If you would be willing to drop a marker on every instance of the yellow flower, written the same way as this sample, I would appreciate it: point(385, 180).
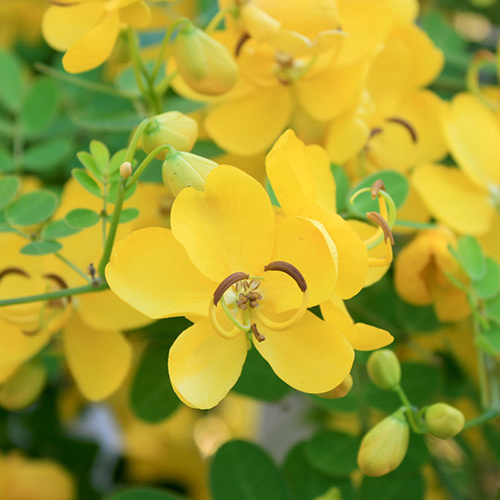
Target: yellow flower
point(20, 19)
point(465, 199)
point(420, 275)
point(219, 267)
point(87, 29)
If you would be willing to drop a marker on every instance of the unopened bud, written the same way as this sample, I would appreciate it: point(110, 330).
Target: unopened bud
point(444, 421)
point(340, 391)
point(22, 388)
point(204, 64)
point(173, 128)
point(384, 447)
point(181, 169)
point(384, 369)
point(126, 169)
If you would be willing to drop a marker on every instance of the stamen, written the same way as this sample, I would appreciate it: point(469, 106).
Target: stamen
point(406, 125)
point(31, 333)
point(257, 334)
point(239, 45)
point(13, 270)
point(376, 217)
point(292, 271)
point(376, 187)
point(212, 313)
point(227, 284)
point(59, 281)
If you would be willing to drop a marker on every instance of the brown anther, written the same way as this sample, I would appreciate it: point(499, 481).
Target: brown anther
point(376, 187)
point(253, 304)
point(58, 281)
point(406, 125)
point(378, 219)
point(254, 296)
point(375, 131)
point(257, 334)
point(253, 285)
point(292, 271)
point(13, 270)
point(239, 45)
point(31, 333)
point(227, 284)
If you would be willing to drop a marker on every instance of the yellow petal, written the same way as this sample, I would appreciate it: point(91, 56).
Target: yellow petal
point(300, 175)
point(332, 92)
point(352, 253)
point(312, 356)
point(228, 228)
point(362, 337)
point(475, 148)
point(105, 311)
point(296, 240)
point(99, 360)
point(250, 124)
point(151, 271)
point(93, 48)
point(453, 198)
point(64, 26)
point(137, 14)
point(203, 366)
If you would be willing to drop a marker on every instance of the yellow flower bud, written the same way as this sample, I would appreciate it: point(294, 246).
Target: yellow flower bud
point(340, 391)
point(22, 388)
point(384, 369)
point(181, 169)
point(203, 63)
point(384, 447)
point(172, 128)
point(126, 169)
point(444, 421)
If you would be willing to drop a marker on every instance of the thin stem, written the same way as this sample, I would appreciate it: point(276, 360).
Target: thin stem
point(482, 419)
point(410, 412)
point(219, 17)
point(67, 292)
point(129, 156)
point(163, 86)
point(75, 268)
point(17, 145)
point(140, 169)
point(415, 225)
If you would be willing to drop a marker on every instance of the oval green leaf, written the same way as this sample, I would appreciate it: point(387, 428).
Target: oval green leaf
point(31, 208)
point(11, 81)
point(244, 471)
point(39, 106)
point(100, 154)
point(8, 189)
point(81, 218)
point(128, 214)
point(88, 162)
point(489, 286)
point(41, 248)
point(471, 257)
point(47, 155)
point(58, 229)
point(87, 182)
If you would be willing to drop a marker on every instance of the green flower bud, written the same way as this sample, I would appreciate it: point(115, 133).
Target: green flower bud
point(384, 447)
point(203, 63)
point(181, 169)
point(172, 128)
point(444, 421)
point(384, 369)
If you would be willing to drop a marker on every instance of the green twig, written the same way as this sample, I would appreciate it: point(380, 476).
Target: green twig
point(72, 266)
point(151, 156)
point(416, 426)
point(482, 419)
point(129, 156)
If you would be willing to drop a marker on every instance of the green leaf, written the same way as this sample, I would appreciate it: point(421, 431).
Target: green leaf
point(493, 308)
point(6, 127)
point(333, 453)
point(393, 487)
point(58, 229)
point(11, 81)
point(87, 182)
point(258, 380)
point(5, 228)
point(489, 285)
point(142, 494)
point(6, 160)
point(128, 214)
point(87, 160)
point(8, 189)
point(116, 160)
point(113, 192)
point(341, 185)
point(489, 340)
point(470, 256)
point(48, 154)
point(39, 106)
point(81, 218)
point(152, 397)
point(31, 208)
point(243, 471)
point(100, 154)
point(396, 185)
point(41, 248)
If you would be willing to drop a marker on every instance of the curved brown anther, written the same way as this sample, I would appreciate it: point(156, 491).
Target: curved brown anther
point(257, 334)
point(31, 333)
point(60, 282)
point(13, 270)
point(378, 219)
point(239, 45)
point(292, 271)
point(376, 187)
point(375, 131)
point(227, 284)
point(406, 125)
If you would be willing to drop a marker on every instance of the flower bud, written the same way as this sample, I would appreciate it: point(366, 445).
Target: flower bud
point(126, 169)
point(384, 447)
point(204, 64)
point(22, 388)
point(181, 169)
point(384, 369)
point(172, 128)
point(340, 391)
point(444, 421)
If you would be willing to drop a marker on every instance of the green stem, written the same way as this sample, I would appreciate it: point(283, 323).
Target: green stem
point(416, 426)
point(67, 292)
point(163, 86)
point(217, 19)
point(129, 156)
point(482, 419)
point(75, 268)
point(140, 169)
point(415, 225)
